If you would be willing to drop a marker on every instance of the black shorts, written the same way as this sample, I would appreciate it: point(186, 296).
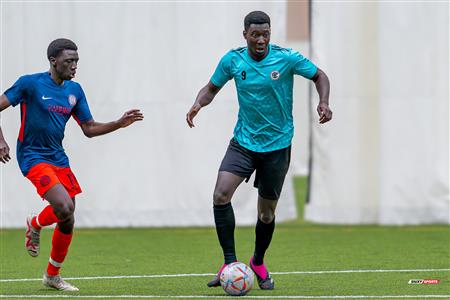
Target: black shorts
point(271, 167)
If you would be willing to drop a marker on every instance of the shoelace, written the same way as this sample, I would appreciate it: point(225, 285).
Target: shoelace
point(34, 236)
point(59, 281)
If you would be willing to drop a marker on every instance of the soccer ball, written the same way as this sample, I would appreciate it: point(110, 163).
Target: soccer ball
point(237, 279)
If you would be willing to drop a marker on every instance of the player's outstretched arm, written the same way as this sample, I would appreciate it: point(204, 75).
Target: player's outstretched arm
point(4, 148)
point(323, 88)
point(93, 128)
point(204, 97)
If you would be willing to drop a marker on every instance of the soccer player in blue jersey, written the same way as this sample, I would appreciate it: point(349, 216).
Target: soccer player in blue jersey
point(263, 74)
point(47, 101)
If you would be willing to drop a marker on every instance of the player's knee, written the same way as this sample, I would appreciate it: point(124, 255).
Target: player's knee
point(221, 198)
point(64, 211)
point(267, 217)
point(67, 225)
point(70, 221)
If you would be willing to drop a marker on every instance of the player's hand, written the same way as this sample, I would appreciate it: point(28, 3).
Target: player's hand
point(192, 113)
point(130, 117)
point(325, 113)
point(4, 152)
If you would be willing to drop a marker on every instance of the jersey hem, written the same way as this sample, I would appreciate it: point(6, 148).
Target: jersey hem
point(262, 150)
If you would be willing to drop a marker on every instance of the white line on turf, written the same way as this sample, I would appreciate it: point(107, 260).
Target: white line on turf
point(212, 274)
point(226, 297)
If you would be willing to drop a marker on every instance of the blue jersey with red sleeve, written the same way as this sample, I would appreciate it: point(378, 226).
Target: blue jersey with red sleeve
point(45, 108)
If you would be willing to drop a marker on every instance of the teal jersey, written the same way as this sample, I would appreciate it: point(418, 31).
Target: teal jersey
point(264, 91)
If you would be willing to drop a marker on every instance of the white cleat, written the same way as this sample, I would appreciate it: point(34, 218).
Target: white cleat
point(56, 282)
point(32, 238)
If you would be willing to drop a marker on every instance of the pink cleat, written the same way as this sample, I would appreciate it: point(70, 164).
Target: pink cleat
point(265, 281)
point(216, 281)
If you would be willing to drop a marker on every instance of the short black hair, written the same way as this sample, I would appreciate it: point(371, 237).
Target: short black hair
point(59, 45)
point(256, 17)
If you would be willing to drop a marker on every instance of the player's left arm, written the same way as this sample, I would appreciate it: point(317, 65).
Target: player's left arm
point(322, 83)
point(92, 128)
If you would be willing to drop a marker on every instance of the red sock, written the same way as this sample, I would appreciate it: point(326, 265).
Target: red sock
point(46, 217)
point(60, 246)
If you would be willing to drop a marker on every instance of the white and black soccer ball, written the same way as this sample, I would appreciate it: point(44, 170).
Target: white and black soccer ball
point(237, 279)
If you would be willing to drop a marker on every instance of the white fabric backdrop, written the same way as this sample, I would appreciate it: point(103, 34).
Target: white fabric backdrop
point(385, 157)
point(153, 56)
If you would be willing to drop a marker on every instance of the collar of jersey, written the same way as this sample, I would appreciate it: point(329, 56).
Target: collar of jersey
point(50, 79)
point(269, 50)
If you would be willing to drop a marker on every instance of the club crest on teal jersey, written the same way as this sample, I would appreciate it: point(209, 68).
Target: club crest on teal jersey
point(275, 75)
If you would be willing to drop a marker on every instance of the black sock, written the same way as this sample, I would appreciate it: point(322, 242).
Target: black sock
point(224, 219)
point(263, 234)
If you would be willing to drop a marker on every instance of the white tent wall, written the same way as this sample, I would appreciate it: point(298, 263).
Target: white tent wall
point(414, 157)
point(384, 159)
point(300, 143)
point(154, 56)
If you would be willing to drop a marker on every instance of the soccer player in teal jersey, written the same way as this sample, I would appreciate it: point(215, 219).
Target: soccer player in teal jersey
point(263, 74)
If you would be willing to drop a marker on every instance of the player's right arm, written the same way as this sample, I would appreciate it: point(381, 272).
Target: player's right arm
point(4, 148)
point(205, 96)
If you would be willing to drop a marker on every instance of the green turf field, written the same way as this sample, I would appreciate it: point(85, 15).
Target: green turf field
point(307, 262)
